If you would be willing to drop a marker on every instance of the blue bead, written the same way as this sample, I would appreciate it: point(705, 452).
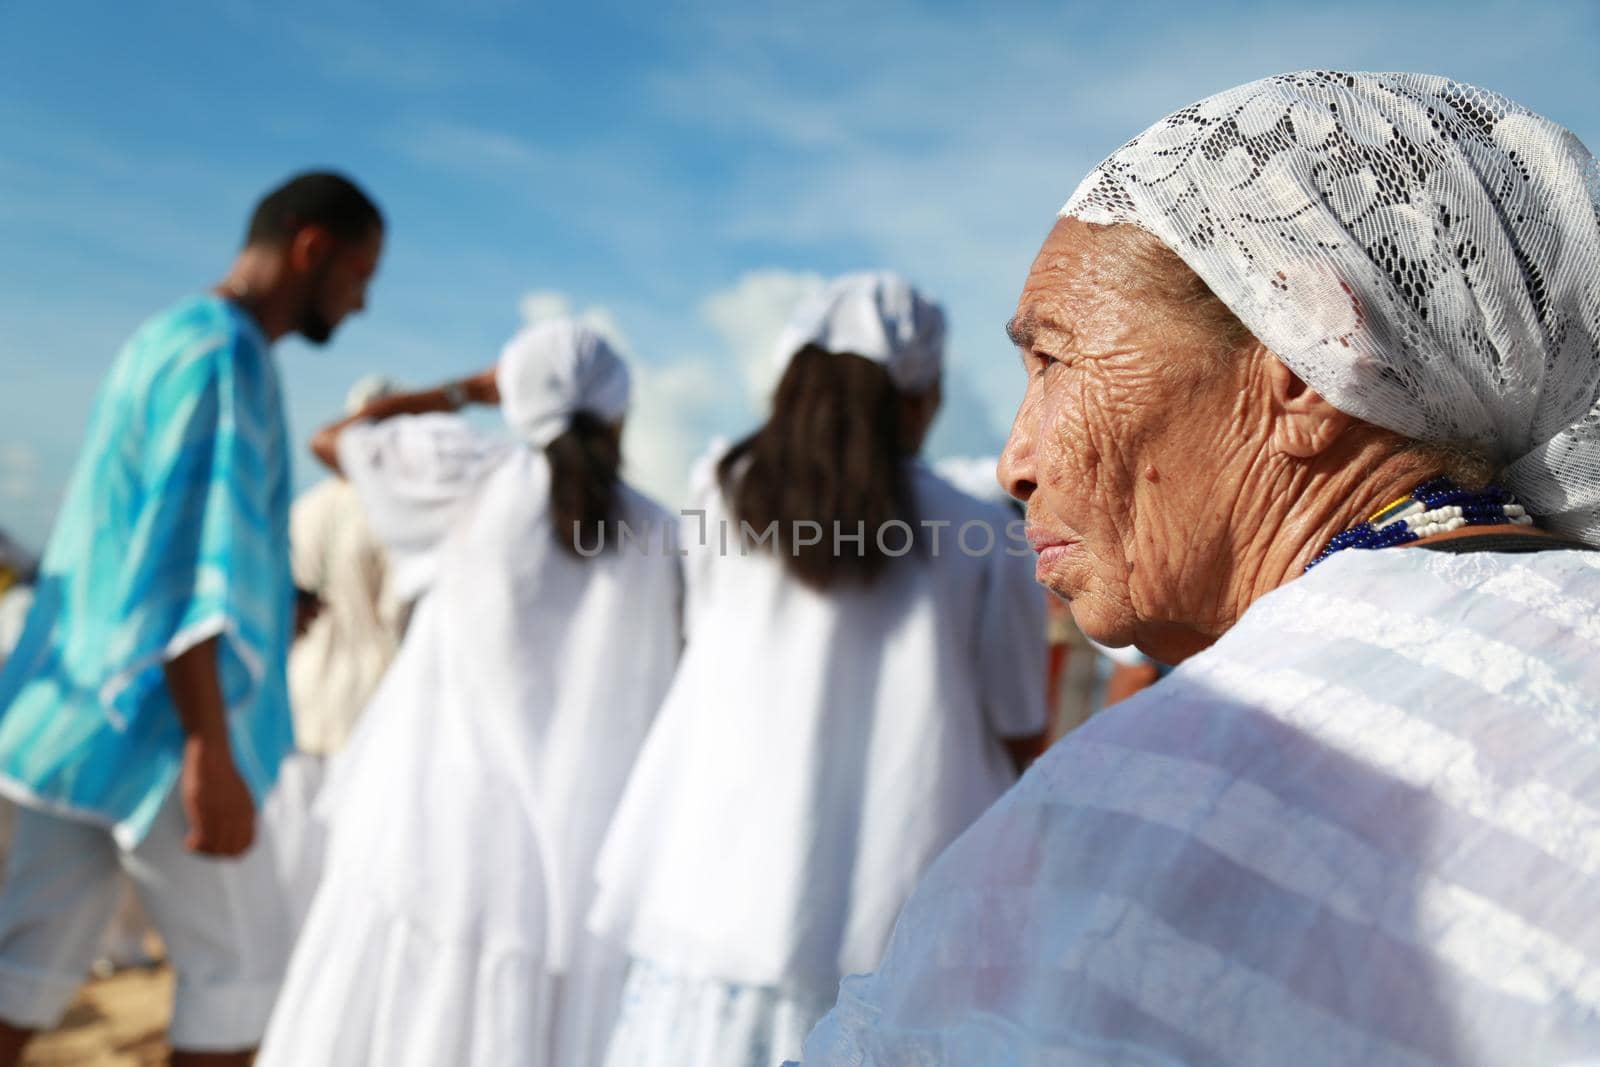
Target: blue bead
point(1479, 507)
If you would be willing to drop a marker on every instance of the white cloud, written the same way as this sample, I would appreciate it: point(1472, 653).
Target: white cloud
point(473, 150)
point(542, 305)
point(749, 316)
point(680, 408)
point(946, 155)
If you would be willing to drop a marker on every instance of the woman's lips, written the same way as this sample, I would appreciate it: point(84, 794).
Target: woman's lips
point(1051, 554)
point(1051, 549)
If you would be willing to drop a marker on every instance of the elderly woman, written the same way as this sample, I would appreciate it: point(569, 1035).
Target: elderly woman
point(1303, 362)
point(468, 807)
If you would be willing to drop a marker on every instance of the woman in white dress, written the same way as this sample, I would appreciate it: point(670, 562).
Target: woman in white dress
point(468, 806)
point(844, 703)
point(336, 661)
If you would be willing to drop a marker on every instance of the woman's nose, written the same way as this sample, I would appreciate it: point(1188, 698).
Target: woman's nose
point(1015, 472)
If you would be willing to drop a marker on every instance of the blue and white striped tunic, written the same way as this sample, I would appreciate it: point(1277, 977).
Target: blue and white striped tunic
point(1363, 828)
point(174, 530)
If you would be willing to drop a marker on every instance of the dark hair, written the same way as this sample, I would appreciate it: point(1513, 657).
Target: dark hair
point(314, 198)
point(831, 453)
point(584, 465)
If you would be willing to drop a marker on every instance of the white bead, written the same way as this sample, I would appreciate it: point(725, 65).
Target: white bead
point(1405, 515)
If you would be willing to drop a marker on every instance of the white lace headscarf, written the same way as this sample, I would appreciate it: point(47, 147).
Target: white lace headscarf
point(551, 371)
point(876, 315)
point(1423, 253)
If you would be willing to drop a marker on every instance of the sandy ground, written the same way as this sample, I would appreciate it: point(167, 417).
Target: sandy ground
point(119, 1021)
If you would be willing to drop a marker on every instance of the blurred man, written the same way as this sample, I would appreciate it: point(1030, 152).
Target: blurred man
point(144, 712)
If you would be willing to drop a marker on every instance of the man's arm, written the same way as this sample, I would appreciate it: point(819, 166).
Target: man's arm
point(216, 801)
point(478, 389)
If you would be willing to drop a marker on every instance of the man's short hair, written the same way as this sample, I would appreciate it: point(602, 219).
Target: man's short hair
point(314, 198)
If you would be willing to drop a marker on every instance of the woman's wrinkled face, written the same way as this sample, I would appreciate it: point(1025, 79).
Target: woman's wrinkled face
point(1129, 447)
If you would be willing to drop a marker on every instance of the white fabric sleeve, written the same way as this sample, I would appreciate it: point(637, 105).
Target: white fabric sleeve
point(1012, 648)
point(413, 474)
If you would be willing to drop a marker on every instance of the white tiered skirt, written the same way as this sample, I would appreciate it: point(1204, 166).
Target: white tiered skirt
point(670, 1020)
point(381, 990)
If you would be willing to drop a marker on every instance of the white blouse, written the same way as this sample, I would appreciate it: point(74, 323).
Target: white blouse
point(817, 750)
point(1362, 828)
point(335, 666)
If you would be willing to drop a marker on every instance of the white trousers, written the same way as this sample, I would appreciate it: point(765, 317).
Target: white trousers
point(222, 920)
point(295, 834)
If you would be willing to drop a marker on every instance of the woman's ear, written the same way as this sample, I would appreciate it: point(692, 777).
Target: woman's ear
point(1303, 423)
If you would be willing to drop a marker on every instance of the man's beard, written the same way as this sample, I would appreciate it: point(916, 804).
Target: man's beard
point(314, 326)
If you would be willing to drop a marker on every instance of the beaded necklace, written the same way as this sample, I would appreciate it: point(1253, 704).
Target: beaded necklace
point(1435, 506)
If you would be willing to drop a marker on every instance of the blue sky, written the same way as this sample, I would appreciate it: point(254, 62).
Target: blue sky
point(681, 172)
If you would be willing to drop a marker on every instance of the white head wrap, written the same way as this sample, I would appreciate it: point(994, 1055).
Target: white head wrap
point(367, 389)
point(551, 371)
point(876, 315)
point(1423, 253)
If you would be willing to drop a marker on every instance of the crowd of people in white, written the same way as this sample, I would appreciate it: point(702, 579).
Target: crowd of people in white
point(1312, 412)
